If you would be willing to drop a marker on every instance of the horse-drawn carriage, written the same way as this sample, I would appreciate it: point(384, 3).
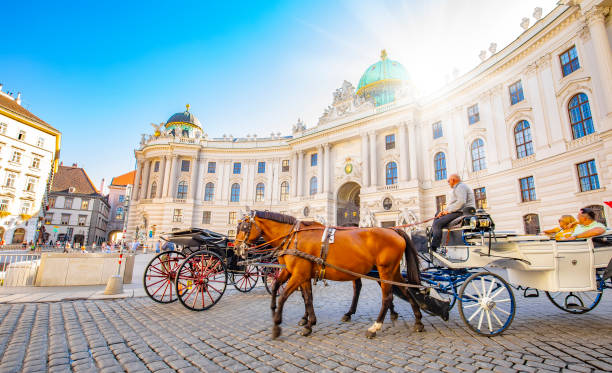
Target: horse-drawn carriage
point(198, 271)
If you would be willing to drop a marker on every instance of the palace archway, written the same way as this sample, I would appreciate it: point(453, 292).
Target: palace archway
point(347, 210)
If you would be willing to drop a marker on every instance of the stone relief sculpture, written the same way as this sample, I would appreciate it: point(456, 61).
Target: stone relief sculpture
point(321, 219)
point(344, 102)
point(299, 126)
point(367, 218)
point(406, 216)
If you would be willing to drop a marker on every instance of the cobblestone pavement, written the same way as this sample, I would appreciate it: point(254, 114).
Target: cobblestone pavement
point(139, 335)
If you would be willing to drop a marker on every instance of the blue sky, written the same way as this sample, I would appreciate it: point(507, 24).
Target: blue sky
point(101, 72)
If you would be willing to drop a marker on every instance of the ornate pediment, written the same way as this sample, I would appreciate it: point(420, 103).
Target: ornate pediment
point(345, 101)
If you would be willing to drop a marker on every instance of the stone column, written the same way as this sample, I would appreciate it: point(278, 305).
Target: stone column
point(365, 165)
point(136, 189)
point(403, 151)
point(199, 184)
point(293, 167)
point(271, 179)
point(328, 168)
point(320, 166)
point(220, 184)
point(195, 174)
point(300, 174)
point(412, 151)
point(603, 55)
point(171, 192)
point(373, 159)
point(144, 192)
point(226, 179)
point(248, 181)
point(162, 177)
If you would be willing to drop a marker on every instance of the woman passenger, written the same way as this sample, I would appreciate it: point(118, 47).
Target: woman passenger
point(567, 223)
point(588, 226)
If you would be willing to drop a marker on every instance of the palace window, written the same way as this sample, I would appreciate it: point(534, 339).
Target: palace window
point(480, 197)
point(232, 218)
point(235, 193)
point(3, 127)
point(177, 216)
point(284, 191)
point(237, 168)
point(440, 203)
point(391, 173)
point(48, 218)
point(516, 93)
point(587, 175)
point(181, 193)
point(285, 165)
point(440, 166)
point(119, 213)
point(478, 155)
point(522, 138)
point(35, 163)
point(569, 61)
point(473, 114)
point(25, 207)
point(580, 116)
point(259, 192)
point(156, 166)
point(390, 142)
point(212, 166)
point(16, 157)
point(82, 220)
point(527, 189)
point(153, 189)
point(313, 185)
point(261, 167)
point(209, 191)
point(40, 142)
point(31, 184)
point(121, 198)
point(68, 203)
point(10, 180)
point(185, 165)
point(65, 219)
point(51, 202)
point(206, 217)
point(531, 223)
point(21, 135)
point(437, 130)
point(313, 159)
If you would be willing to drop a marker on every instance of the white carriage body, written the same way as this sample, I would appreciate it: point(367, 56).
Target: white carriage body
point(534, 261)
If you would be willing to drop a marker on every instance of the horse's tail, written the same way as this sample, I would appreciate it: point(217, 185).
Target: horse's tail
point(413, 272)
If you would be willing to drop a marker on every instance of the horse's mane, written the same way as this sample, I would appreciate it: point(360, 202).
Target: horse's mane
point(282, 218)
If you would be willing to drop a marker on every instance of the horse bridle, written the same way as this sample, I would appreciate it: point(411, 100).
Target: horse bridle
point(250, 223)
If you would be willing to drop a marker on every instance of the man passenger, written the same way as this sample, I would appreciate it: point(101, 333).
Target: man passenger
point(461, 197)
point(587, 225)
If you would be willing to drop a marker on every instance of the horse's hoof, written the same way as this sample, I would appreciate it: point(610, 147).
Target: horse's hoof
point(305, 332)
point(303, 322)
point(419, 328)
point(276, 331)
point(394, 316)
point(370, 334)
point(346, 318)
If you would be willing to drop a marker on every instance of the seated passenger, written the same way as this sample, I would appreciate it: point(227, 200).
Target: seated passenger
point(587, 225)
point(567, 223)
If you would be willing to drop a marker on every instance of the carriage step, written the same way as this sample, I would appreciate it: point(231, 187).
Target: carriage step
point(576, 307)
point(531, 293)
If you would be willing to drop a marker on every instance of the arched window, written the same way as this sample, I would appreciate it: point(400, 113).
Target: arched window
point(153, 190)
point(19, 235)
point(391, 173)
point(209, 192)
point(532, 224)
point(181, 193)
point(284, 191)
point(580, 116)
point(478, 155)
point(313, 185)
point(259, 192)
point(522, 137)
point(440, 165)
point(235, 196)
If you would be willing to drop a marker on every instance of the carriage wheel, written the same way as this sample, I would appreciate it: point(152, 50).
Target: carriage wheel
point(486, 303)
point(159, 276)
point(270, 275)
point(577, 302)
point(201, 280)
point(245, 281)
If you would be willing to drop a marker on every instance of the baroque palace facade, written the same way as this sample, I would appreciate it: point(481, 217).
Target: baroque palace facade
point(529, 129)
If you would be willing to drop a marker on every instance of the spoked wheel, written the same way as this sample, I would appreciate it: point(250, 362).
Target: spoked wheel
point(245, 281)
point(443, 283)
point(201, 280)
point(486, 304)
point(269, 276)
point(577, 302)
point(160, 274)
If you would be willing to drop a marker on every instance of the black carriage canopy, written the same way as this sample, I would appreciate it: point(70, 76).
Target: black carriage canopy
point(195, 237)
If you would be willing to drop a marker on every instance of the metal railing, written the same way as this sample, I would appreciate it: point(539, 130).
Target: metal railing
point(28, 248)
point(18, 269)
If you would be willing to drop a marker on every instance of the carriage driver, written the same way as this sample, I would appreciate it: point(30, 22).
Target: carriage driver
point(461, 197)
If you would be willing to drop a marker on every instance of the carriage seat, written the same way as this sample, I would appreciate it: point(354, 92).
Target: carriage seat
point(471, 220)
point(468, 212)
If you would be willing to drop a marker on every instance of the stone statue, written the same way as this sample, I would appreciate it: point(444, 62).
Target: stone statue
point(142, 138)
point(525, 23)
point(299, 126)
point(406, 216)
point(537, 13)
point(158, 129)
point(493, 48)
point(367, 218)
point(321, 219)
point(482, 55)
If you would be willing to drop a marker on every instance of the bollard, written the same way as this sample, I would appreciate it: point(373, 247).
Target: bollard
point(115, 282)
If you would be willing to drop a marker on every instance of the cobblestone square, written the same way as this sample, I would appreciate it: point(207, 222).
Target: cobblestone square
point(138, 335)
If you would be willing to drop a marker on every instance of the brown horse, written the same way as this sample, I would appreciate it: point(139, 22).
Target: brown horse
point(357, 250)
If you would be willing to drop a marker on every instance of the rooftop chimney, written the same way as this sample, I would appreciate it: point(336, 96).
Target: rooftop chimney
point(102, 186)
point(18, 99)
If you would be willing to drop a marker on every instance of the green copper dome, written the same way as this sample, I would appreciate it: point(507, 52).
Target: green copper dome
point(382, 79)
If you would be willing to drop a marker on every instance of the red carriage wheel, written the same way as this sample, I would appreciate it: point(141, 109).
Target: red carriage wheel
point(245, 281)
point(158, 279)
point(270, 275)
point(201, 280)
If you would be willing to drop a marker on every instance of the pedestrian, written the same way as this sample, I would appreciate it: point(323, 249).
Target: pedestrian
point(93, 247)
point(135, 246)
point(157, 246)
